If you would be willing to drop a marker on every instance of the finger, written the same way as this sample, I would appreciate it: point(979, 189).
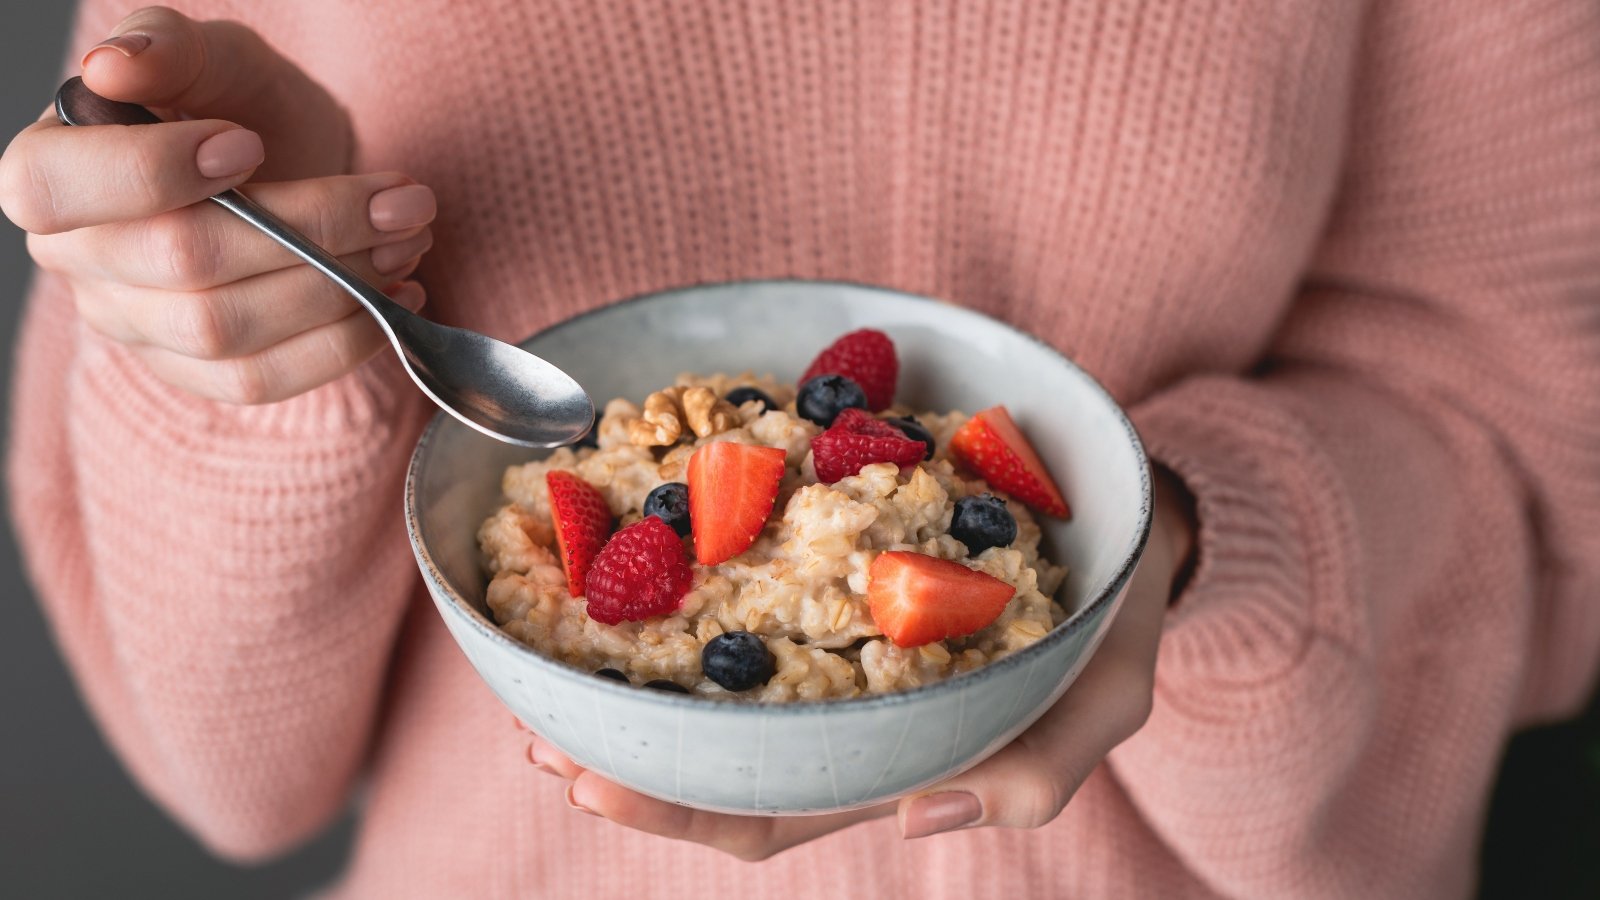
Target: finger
point(241, 318)
point(206, 246)
point(749, 838)
point(306, 361)
point(55, 178)
point(544, 754)
point(161, 58)
point(1029, 781)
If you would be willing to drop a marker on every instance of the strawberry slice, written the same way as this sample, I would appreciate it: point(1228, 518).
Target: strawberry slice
point(640, 573)
point(917, 599)
point(732, 488)
point(583, 522)
point(866, 357)
point(992, 445)
point(855, 440)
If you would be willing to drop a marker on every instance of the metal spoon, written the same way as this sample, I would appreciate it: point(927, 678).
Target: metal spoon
point(502, 391)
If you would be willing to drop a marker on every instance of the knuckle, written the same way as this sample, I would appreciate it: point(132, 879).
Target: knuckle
point(184, 251)
point(94, 310)
point(1138, 712)
point(26, 194)
point(346, 348)
point(243, 383)
point(156, 17)
point(747, 849)
point(751, 844)
point(1037, 799)
point(321, 215)
point(44, 251)
point(201, 326)
point(245, 37)
point(1135, 701)
point(147, 176)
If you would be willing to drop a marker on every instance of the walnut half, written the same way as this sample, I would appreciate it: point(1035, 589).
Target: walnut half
point(661, 423)
point(669, 411)
point(707, 413)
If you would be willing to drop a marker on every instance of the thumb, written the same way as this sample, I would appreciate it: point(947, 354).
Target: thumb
point(1018, 787)
point(1028, 782)
point(222, 70)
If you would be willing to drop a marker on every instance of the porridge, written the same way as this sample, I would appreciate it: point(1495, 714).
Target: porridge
point(732, 536)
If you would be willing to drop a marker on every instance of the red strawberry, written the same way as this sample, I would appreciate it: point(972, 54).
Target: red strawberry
point(917, 599)
point(992, 446)
point(641, 572)
point(856, 439)
point(583, 522)
point(731, 491)
point(865, 357)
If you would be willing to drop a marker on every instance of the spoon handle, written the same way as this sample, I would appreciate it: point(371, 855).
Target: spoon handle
point(77, 105)
point(375, 301)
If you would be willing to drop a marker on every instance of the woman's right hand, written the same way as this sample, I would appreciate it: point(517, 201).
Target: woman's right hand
point(208, 303)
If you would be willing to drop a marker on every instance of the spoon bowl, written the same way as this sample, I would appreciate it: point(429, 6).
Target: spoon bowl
point(502, 391)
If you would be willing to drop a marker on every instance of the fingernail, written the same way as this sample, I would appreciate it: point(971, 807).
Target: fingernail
point(399, 208)
point(405, 269)
point(393, 257)
point(408, 294)
point(129, 45)
point(229, 153)
point(941, 812)
point(576, 805)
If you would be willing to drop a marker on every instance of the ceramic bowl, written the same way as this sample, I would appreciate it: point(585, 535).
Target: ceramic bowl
point(806, 757)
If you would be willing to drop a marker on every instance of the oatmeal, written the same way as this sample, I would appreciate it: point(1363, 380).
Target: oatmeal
point(827, 590)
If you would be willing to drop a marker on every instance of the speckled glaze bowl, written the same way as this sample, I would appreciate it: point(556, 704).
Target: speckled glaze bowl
point(803, 757)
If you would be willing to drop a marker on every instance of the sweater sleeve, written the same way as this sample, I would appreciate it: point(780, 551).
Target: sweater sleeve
point(1400, 510)
point(225, 583)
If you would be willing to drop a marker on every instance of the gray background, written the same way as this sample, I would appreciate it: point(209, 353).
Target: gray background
point(72, 824)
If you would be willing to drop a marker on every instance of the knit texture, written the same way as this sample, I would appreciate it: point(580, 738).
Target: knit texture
point(1342, 261)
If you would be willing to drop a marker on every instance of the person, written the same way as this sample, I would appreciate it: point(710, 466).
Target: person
point(1338, 261)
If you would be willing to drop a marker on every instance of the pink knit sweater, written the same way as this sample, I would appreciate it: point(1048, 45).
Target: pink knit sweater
point(1342, 260)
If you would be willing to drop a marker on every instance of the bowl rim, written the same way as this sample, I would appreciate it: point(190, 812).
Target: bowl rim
point(1075, 622)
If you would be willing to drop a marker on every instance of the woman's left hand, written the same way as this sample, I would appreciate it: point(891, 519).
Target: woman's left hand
point(1024, 785)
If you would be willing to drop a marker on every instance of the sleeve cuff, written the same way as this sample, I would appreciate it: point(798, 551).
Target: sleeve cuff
point(1272, 532)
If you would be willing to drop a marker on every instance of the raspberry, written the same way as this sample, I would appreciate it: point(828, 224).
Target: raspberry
point(641, 572)
point(857, 421)
point(857, 440)
point(865, 357)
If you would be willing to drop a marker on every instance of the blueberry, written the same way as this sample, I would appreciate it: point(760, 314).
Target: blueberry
point(662, 684)
point(592, 437)
point(737, 660)
point(825, 396)
point(612, 674)
point(911, 428)
point(670, 504)
point(982, 522)
point(739, 396)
